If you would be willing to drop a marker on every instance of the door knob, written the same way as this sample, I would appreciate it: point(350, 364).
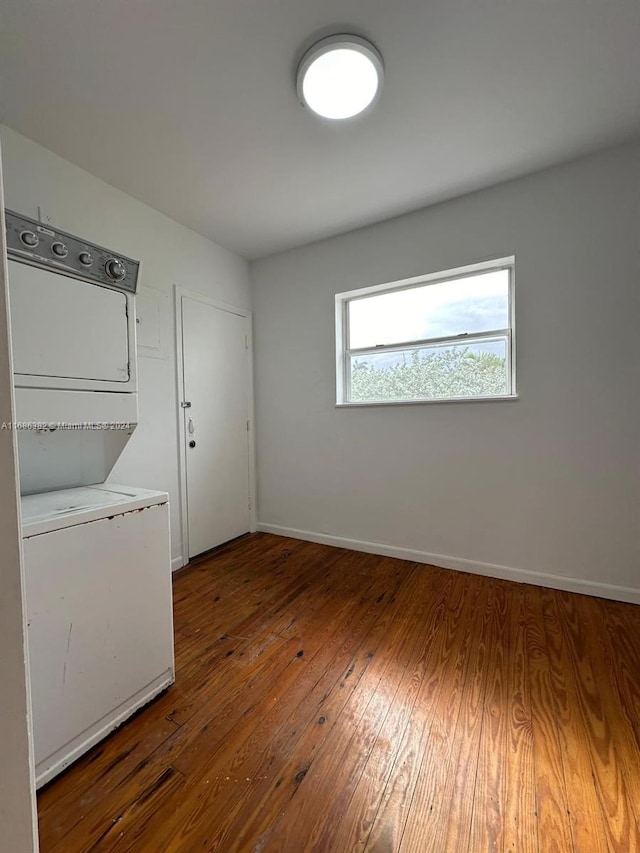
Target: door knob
point(192, 443)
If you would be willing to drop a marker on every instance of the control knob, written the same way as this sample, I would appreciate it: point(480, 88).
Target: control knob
point(59, 249)
point(29, 239)
point(85, 259)
point(115, 269)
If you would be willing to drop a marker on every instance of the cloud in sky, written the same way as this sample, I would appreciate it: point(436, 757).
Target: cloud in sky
point(474, 304)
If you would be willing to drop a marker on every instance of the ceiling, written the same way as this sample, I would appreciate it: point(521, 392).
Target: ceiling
point(190, 105)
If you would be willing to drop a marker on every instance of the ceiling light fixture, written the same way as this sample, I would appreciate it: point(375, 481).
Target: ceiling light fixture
point(340, 76)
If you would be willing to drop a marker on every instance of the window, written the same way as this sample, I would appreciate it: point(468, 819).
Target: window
point(445, 336)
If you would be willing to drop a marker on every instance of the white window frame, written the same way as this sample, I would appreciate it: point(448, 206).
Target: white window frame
point(344, 352)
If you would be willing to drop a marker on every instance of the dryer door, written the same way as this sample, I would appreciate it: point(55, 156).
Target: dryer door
point(67, 333)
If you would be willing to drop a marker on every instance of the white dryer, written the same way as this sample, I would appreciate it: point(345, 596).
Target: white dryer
point(97, 556)
point(73, 330)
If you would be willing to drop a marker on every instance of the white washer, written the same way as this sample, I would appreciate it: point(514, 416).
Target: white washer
point(99, 611)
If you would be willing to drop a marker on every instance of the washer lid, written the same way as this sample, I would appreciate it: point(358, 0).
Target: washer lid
point(47, 511)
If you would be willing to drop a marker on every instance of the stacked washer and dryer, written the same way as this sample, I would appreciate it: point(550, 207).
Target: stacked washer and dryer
point(97, 555)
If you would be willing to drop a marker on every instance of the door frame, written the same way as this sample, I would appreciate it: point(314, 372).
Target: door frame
point(180, 293)
point(18, 817)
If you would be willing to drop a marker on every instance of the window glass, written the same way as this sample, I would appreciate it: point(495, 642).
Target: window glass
point(447, 336)
point(473, 304)
point(444, 371)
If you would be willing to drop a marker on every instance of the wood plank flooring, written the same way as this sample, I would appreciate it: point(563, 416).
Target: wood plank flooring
point(328, 700)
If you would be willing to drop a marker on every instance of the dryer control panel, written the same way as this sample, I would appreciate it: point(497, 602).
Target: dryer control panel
point(34, 243)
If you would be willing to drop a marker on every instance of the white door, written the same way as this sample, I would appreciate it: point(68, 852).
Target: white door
point(216, 384)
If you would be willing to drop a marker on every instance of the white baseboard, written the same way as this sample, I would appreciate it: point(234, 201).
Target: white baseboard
point(584, 587)
point(177, 563)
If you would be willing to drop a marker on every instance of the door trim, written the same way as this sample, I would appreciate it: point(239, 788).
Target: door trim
point(181, 293)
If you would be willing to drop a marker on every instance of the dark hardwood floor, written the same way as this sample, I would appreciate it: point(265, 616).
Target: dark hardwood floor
point(328, 700)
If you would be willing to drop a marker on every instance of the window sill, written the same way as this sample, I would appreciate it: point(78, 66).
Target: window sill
point(508, 398)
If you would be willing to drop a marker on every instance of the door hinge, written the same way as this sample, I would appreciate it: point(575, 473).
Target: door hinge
point(246, 341)
point(248, 426)
point(185, 405)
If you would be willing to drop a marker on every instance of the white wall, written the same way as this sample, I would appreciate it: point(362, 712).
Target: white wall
point(18, 831)
point(546, 484)
point(171, 254)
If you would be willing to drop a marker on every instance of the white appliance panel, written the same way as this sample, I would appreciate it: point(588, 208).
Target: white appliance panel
point(53, 405)
point(64, 328)
point(99, 610)
point(57, 458)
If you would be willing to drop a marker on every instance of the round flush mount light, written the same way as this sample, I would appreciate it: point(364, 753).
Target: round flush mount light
point(340, 76)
